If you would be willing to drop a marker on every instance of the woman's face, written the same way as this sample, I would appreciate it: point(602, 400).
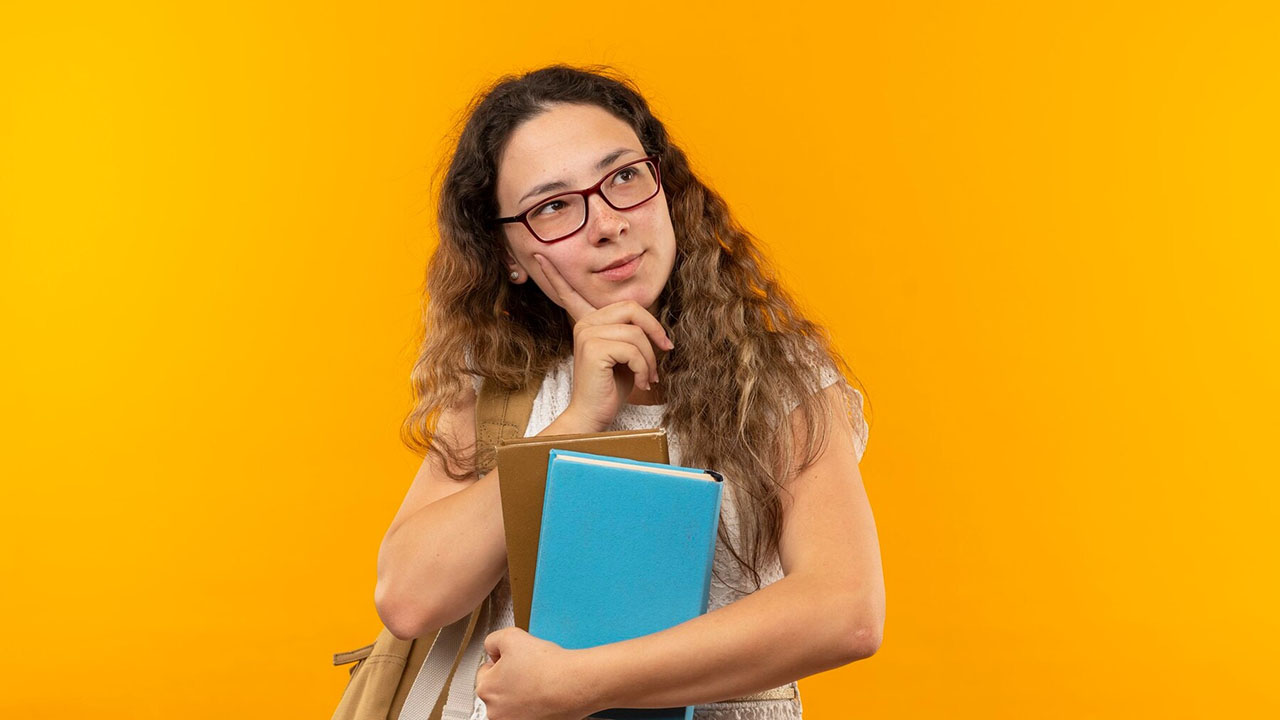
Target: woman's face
point(566, 143)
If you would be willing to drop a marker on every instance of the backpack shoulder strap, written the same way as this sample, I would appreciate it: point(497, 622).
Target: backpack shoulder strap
point(501, 413)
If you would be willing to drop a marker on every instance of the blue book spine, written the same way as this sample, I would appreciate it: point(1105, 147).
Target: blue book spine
point(626, 549)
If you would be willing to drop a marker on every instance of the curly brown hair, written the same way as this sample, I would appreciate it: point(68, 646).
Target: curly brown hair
point(722, 306)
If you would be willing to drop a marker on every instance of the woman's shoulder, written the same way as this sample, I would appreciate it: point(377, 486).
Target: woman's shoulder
point(827, 374)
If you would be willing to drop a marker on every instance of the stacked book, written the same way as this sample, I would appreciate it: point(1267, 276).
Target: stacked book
point(606, 541)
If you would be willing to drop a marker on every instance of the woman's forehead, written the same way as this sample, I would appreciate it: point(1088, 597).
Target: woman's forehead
point(564, 143)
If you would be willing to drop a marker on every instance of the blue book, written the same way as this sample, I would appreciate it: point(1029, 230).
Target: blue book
point(626, 549)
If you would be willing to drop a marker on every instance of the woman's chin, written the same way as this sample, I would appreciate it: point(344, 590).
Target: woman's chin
point(640, 296)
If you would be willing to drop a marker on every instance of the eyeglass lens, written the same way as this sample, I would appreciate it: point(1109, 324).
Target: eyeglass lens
point(628, 187)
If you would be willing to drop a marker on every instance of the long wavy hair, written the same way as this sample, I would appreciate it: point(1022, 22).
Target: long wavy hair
point(723, 307)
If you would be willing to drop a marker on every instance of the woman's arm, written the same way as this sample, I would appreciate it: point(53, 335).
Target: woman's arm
point(826, 612)
point(445, 530)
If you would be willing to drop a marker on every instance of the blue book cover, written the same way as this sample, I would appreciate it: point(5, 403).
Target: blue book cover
point(626, 549)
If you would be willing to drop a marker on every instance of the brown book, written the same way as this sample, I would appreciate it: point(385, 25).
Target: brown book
point(522, 480)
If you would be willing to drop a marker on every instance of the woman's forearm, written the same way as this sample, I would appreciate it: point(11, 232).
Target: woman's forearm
point(442, 561)
point(782, 632)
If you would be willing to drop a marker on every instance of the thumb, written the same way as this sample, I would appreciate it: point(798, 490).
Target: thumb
point(493, 645)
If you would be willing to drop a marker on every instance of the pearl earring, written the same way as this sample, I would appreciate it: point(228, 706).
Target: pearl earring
point(514, 276)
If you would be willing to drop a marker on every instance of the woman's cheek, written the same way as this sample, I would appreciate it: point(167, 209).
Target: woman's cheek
point(577, 272)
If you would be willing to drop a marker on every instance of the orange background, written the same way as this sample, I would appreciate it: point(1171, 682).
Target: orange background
point(1045, 237)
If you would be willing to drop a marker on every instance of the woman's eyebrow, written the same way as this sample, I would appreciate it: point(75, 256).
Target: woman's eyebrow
point(605, 162)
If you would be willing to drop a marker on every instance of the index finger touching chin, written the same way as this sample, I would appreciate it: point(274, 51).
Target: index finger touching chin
point(568, 298)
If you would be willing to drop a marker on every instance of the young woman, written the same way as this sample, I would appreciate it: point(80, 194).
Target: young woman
point(578, 250)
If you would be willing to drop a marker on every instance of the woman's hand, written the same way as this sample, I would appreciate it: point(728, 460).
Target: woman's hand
point(527, 678)
point(613, 350)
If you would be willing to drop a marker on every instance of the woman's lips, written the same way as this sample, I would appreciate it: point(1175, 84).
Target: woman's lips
point(622, 272)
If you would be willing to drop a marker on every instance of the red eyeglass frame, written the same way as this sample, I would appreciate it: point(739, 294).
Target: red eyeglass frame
point(523, 217)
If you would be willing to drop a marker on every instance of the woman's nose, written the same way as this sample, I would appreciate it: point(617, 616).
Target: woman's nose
point(606, 223)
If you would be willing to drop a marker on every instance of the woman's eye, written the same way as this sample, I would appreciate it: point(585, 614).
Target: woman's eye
point(625, 175)
point(550, 208)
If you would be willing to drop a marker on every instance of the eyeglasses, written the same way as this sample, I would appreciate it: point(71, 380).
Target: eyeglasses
point(560, 216)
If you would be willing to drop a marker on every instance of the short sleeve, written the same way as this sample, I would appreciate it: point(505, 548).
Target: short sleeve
point(861, 432)
point(853, 407)
point(852, 403)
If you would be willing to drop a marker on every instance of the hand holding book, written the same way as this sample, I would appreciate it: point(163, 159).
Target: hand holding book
point(524, 676)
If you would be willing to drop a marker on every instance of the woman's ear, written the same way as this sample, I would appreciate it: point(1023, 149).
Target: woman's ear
point(515, 274)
